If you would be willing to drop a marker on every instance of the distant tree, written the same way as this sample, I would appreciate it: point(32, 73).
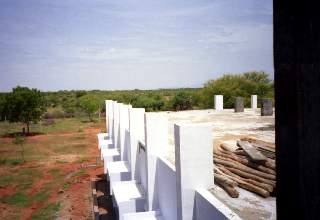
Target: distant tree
point(149, 102)
point(182, 101)
point(257, 77)
point(70, 105)
point(25, 105)
point(231, 86)
point(2, 107)
point(89, 104)
point(80, 93)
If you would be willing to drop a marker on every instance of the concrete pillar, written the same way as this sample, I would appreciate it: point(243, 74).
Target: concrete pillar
point(124, 131)
point(136, 130)
point(116, 125)
point(218, 102)
point(109, 117)
point(266, 107)
point(254, 102)
point(238, 104)
point(156, 138)
point(194, 164)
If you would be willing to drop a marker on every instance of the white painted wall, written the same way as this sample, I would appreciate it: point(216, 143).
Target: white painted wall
point(136, 133)
point(169, 189)
point(116, 130)
point(123, 130)
point(166, 189)
point(209, 207)
point(107, 104)
point(156, 137)
point(194, 164)
point(254, 101)
point(218, 102)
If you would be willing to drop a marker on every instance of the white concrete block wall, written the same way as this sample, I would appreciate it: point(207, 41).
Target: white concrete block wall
point(194, 164)
point(123, 129)
point(136, 129)
point(166, 193)
point(116, 130)
point(169, 190)
point(156, 138)
point(254, 101)
point(209, 207)
point(109, 117)
point(218, 102)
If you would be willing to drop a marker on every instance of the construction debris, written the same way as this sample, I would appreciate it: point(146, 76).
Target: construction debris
point(252, 152)
point(246, 167)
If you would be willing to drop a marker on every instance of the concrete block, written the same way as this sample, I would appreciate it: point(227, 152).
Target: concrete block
point(123, 131)
point(136, 131)
point(129, 197)
point(156, 138)
point(105, 145)
point(102, 137)
point(266, 107)
point(109, 112)
point(218, 102)
point(109, 155)
point(254, 101)
point(194, 164)
point(104, 142)
point(118, 171)
point(116, 125)
point(209, 207)
point(239, 104)
point(166, 193)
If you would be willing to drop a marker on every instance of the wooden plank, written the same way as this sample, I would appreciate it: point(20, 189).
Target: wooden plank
point(254, 140)
point(253, 153)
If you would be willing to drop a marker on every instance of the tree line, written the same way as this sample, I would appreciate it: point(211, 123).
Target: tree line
point(31, 105)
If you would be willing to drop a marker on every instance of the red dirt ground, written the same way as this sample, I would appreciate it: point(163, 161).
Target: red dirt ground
point(75, 202)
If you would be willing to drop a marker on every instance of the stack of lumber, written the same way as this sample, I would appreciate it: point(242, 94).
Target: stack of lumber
point(267, 149)
point(245, 167)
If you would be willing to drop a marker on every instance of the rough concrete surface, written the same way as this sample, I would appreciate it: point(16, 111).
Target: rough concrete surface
point(229, 126)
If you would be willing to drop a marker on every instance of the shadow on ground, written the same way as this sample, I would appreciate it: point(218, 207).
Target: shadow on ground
point(14, 134)
point(106, 210)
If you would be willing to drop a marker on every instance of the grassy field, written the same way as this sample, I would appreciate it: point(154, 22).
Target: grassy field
point(53, 177)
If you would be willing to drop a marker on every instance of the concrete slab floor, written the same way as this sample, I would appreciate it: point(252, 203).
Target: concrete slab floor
point(229, 126)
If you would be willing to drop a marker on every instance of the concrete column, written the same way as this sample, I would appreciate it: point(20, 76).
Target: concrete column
point(218, 102)
point(194, 164)
point(156, 138)
point(254, 101)
point(238, 104)
point(124, 129)
point(136, 131)
point(116, 124)
point(266, 107)
point(109, 117)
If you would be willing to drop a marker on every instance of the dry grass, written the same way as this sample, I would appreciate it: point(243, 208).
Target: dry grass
point(52, 164)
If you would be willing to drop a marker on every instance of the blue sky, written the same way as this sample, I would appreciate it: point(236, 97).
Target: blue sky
point(128, 44)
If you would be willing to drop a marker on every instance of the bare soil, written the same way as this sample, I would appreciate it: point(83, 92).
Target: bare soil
point(64, 178)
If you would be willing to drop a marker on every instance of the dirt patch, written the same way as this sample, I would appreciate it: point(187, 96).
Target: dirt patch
point(73, 193)
point(76, 201)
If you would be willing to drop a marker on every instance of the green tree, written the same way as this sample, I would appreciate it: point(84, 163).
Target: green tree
point(25, 105)
point(2, 107)
point(70, 105)
point(182, 101)
point(150, 103)
point(89, 104)
point(231, 86)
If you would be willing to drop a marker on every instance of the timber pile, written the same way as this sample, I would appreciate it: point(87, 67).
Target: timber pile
point(244, 167)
